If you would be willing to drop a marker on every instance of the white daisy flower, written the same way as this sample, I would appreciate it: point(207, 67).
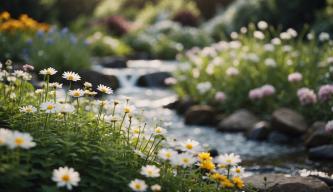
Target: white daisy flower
point(156, 187)
point(5, 134)
point(128, 109)
point(27, 109)
point(104, 89)
point(160, 131)
point(167, 154)
point(138, 185)
point(65, 108)
point(190, 146)
point(66, 177)
point(39, 91)
point(150, 171)
point(20, 140)
point(76, 93)
point(55, 85)
point(71, 76)
point(48, 107)
point(262, 25)
point(48, 71)
point(237, 171)
point(87, 84)
point(228, 159)
point(184, 160)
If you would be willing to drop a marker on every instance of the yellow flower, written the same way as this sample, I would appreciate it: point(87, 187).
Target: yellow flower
point(204, 156)
point(4, 15)
point(238, 182)
point(218, 177)
point(227, 184)
point(208, 165)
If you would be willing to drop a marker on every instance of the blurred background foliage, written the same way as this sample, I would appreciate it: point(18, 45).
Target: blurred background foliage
point(162, 28)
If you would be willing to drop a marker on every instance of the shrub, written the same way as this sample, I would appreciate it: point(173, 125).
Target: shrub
point(58, 48)
point(252, 71)
point(165, 39)
point(95, 145)
point(103, 45)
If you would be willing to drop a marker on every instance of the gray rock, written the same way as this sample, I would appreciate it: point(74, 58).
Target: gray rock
point(280, 138)
point(153, 79)
point(324, 152)
point(288, 121)
point(282, 183)
point(259, 132)
point(241, 120)
point(113, 62)
point(97, 78)
point(200, 115)
point(318, 136)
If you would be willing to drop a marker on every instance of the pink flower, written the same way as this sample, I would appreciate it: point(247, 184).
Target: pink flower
point(306, 96)
point(170, 81)
point(220, 96)
point(267, 90)
point(329, 127)
point(261, 92)
point(295, 77)
point(232, 71)
point(28, 67)
point(256, 94)
point(325, 92)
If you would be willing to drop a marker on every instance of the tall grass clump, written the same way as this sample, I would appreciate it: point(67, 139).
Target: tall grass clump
point(261, 69)
point(76, 142)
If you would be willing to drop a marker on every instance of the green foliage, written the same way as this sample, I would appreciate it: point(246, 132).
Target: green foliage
point(280, 13)
point(165, 39)
point(59, 49)
point(253, 59)
point(8, 49)
point(144, 12)
point(103, 45)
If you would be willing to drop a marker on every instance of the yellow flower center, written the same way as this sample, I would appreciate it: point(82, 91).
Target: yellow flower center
point(2, 141)
point(29, 110)
point(50, 107)
point(189, 146)
point(168, 155)
point(65, 178)
point(76, 94)
point(70, 77)
point(185, 160)
point(137, 186)
point(228, 161)
point(19, 141)
point(149, 172)
point(238, 170)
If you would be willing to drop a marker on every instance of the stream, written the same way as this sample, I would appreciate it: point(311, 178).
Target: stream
point(257, 156)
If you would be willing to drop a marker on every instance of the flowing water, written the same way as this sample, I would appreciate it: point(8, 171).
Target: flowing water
point(270, 157)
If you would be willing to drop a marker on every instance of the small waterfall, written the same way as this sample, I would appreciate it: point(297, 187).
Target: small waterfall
point(128, 77)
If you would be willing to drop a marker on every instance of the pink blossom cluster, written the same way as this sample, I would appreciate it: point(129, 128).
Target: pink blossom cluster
point(306, 96)
point(295, 77)
point(220, 96)
point(325, 92)
point(261, 92)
